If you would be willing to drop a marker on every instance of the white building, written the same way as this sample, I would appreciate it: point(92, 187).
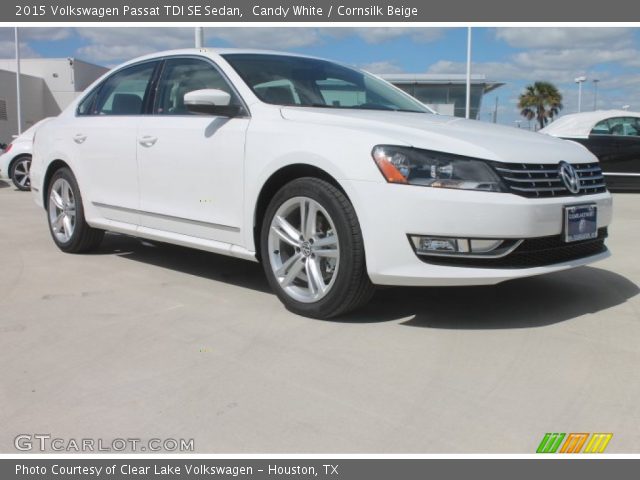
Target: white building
point(445, 93)
point(48, 85)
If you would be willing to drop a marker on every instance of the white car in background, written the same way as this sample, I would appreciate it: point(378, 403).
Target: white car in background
point(613, 136)
point(15, 161)
point(332, 178)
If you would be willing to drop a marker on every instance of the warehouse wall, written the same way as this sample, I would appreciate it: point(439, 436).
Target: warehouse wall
point(33, 102)
point(49, 85)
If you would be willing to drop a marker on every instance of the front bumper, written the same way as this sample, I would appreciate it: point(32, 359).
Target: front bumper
point(388, 213)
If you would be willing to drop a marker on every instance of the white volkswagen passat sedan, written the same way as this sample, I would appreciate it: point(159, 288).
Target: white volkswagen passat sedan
point(332, 178)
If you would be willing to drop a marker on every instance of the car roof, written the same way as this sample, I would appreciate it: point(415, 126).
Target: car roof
point(579, 125)
point(213, 52)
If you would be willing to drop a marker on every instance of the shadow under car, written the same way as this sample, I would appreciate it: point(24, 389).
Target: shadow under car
point(523, 303)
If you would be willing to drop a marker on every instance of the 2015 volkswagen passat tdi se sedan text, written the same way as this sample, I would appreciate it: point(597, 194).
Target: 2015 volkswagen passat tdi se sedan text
point(332, 178)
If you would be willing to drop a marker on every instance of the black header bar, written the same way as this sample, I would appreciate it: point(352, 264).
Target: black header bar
point(316, 11)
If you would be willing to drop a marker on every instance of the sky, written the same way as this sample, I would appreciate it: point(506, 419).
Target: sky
point(515, 55)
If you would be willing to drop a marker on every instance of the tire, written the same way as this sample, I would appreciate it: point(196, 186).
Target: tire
point(65, 215)
point(20, 173)
point(322, 273)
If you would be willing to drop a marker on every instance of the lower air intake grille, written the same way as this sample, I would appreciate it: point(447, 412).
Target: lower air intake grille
point(533, 252)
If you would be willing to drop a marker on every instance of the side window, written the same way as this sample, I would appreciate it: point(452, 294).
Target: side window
point(184, 75)
point(618, 126)
point(601, 128)
point(86, 105)
point(631, 127)
point(125, 92)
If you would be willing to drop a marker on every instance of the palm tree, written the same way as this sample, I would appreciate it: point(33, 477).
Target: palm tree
point(541, 101)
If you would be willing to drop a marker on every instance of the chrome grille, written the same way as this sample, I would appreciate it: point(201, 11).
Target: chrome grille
point(543, 180)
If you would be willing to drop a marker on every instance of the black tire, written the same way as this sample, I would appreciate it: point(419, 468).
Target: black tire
point(23, 161)
point(352, 287)
point(84, 237)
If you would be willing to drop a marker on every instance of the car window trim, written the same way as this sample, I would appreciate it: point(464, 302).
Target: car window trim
point(97, 89)
point(145, 97)
point(153, 85)
point(246, 113)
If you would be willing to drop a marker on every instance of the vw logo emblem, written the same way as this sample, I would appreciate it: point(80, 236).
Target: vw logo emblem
point(305, 248)
point(569, 177)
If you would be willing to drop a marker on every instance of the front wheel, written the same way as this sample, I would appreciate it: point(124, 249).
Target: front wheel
point(70, 231)
point(312, 250)
point(20, 173)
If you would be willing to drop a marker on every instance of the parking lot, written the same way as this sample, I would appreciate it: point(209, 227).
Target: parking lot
point(142, 341)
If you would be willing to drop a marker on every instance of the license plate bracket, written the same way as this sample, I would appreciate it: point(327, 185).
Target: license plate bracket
point(580, 222)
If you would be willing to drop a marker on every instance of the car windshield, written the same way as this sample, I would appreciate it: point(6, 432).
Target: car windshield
point(309, 82)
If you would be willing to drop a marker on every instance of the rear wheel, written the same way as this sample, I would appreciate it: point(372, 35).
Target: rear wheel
point(20, 173)
point(312, 250)
point(67, 224)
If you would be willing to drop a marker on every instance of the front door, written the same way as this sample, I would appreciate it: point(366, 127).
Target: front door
point(191, 165)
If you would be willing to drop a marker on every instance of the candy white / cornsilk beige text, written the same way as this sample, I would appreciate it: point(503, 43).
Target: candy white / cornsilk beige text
point(341, 11)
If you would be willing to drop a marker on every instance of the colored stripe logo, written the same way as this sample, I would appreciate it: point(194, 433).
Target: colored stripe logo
point(550, 443)
point(574, 442)
point(598, 442)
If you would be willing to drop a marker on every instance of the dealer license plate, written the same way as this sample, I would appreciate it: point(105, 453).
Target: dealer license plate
point(580, 222)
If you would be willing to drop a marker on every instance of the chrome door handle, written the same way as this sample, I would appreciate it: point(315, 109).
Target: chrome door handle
point(79, 138)
point(148, 141)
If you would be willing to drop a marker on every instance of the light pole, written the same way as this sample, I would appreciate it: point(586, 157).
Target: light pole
point(595, 94)
point(467, 109)
point(18, 104)
point(495, 112)
point(199, 37)
point(580, 81)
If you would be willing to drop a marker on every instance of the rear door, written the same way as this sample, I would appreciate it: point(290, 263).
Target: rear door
point(103, 137)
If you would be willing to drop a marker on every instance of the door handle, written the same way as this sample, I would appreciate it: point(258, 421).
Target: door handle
point(79, 138)
point(147, 141)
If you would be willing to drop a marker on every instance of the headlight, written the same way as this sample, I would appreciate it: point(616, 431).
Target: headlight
point(435, 169)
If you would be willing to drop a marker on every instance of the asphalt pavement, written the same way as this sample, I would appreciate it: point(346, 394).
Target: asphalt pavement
point(145, 340)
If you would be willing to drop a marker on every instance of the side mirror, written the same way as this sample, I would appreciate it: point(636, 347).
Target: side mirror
point(211, 101)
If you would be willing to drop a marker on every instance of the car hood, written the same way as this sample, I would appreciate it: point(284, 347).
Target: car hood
point(447, 134)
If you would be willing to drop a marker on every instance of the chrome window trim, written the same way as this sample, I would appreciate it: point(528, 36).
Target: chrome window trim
point(105, 79)
point(247, 112)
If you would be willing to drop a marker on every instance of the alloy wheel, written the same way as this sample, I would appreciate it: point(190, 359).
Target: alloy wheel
point(62, 210)
point(21, 172)
point(304, 251)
